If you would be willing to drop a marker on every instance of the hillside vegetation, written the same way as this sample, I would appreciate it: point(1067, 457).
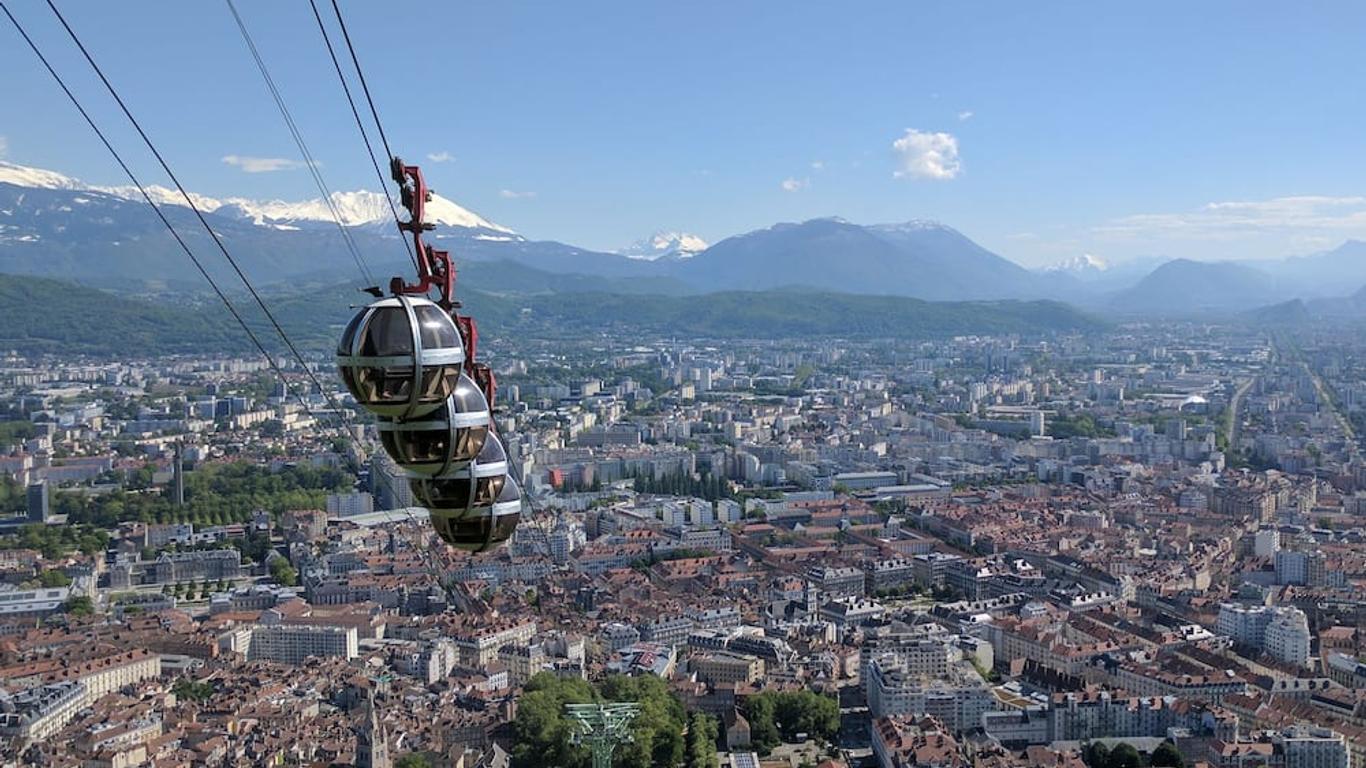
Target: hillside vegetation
point(49, 316)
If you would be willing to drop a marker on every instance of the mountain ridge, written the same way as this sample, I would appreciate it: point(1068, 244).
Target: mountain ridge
point(85, 320)
point(54, 225)
point(356, 208)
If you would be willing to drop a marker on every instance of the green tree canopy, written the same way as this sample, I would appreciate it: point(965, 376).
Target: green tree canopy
point(775, 716)
point(283, 572)
point(1124, 755)
point(543, 734)
point(1167, 756)
point(186, 688)
point(703, 732)
point(53, 578)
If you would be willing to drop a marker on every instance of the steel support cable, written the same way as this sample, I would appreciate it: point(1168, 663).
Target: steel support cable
point(184, 246)
point(323, 189)
point(360, 73)
point(145, 196)
point(298, 357)
point(365, 136)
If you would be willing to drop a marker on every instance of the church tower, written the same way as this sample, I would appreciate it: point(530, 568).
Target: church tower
point(372, 740)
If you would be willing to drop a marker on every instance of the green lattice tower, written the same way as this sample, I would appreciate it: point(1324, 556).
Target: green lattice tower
point(602, 727)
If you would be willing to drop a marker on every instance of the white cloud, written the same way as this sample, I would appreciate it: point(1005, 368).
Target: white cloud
point(262, 164)
point(4, 146)
point(508, 194)
point(794, 185)
point(965, 115)
point(923, 155)
point(817, 165)
point(441, 157)
point(1317, 216)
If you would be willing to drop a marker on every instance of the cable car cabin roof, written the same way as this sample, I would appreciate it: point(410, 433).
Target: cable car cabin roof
point(394, 328)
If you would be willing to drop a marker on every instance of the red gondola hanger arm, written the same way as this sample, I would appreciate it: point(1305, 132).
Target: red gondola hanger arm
point(434, 267)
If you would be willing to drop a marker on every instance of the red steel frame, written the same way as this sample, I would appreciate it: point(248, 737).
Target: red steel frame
point(435, 269)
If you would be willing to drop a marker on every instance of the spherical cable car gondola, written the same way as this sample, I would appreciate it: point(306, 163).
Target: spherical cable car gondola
point(444, 439)
point(401, 357)
point(480, 527)
point(412, 362)
point(475, 483)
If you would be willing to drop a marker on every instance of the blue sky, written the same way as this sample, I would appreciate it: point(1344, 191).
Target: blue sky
point(1204, 130)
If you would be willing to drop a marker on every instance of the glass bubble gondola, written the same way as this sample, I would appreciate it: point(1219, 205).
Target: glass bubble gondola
point(400, 357)
point(476, 483)
point(444, 439)
point(481, 527)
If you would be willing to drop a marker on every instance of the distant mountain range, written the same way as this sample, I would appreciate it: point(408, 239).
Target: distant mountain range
point(354, 208)
point(1350, 308)
point(55, 226)
point(1183, 286)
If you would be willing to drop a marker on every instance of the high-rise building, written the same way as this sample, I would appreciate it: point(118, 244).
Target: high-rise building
point(1287, 637)
point(1243, 624)
point(39, 502)
point(350, 504)
point(178, 475)
point(1301, 568)
point(388, 483)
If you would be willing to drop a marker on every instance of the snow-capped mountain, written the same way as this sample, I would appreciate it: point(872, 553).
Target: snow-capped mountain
point(1082, 264)
point(665, 245)
point(905, 227)
point(53, 225)
point(37, 178)
point(354, 209)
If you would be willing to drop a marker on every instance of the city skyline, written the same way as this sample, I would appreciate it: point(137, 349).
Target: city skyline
point(973, 407)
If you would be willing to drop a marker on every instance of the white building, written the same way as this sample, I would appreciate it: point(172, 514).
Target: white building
point(1266, 542)
point(1287, 637)
point(1281, 631)
point(1244, 624)
point(729, 511)
point(958, 699)
point(293, 643)
point(1300, 568)
point(350, 504)
point(1312, 747)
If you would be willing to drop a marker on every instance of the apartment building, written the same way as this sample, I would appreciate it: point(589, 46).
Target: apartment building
point(294, 643)
point(958, 699)
point(726, 668)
